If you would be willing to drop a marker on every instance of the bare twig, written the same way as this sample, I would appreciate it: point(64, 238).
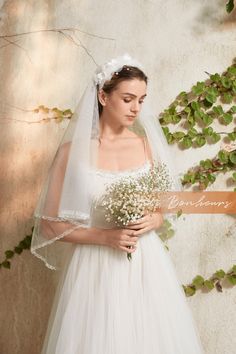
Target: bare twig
point(61, 31)
point(17, 45)
point(55, 30)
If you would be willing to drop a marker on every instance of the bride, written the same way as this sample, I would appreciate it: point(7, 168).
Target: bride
point(106, 303)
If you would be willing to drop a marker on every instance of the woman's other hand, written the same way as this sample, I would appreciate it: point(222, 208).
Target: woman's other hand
point(121, 239)
point(150, 221)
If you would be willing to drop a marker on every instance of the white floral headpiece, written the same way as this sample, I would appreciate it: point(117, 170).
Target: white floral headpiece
point(104, 73)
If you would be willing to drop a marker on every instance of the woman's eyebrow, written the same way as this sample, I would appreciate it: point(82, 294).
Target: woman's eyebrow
point(131, 94)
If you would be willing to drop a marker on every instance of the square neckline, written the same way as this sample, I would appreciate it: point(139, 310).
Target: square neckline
point(147, 163)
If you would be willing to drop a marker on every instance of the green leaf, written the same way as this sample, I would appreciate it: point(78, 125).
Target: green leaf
point(190, 290)
point(232, 157)
point(170, 138)
point(9, 254)
point(232, 279)
point(220, 274)
point(200, 141)
point(227, 118)
point(227, 98)
point(18, 250)
point(187, 142)
point(223, 156)
point(195, 105)
point(179, 213)
point(215, 77)
point(207, 120)
point(232, 136)
point(211, 98)
point(226, 82)
point(230, 6)
point(215, 137)
point(192, 132)
point(170, 233)
point(209, 284)
point(211, 177)
point(206, 103)
point(234, 178)
point(207, 131)
point(176, 118)
point(167, 118)
point(166, 223)
point(6, 264)
point(67, 112)
point(187, 178)
point(211, 90)
point(23, 245)
point(206, 164)
point(232, 70)
point(218, 110)
point(178, 135)
point(165, 130)
point(233, 108)
point(191, 120)
point(198, 281)
point(198, 89)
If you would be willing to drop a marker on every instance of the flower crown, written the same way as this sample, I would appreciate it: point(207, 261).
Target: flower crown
point(106, 71)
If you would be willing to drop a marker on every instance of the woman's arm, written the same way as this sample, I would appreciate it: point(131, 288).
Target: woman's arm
point(119, 239)
point(83, 235)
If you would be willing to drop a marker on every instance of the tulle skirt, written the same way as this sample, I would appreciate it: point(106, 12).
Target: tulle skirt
point(106, 304)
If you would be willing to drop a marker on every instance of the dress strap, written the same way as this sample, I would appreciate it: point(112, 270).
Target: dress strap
point(146, 152)
point(145, 149)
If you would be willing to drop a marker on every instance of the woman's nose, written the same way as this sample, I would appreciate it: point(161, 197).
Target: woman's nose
point(135, 107)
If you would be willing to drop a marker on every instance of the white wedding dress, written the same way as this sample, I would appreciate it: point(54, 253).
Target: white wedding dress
point(106, 304)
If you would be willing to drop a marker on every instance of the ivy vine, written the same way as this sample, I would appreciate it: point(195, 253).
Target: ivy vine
point(205, 173)
point(199, 109)
point(215, 281)
point(22, 245)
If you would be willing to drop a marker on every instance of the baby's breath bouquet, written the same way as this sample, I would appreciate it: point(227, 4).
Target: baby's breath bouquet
point(128, 198)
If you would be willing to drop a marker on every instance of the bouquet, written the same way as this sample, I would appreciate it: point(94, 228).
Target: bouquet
point(128, 199)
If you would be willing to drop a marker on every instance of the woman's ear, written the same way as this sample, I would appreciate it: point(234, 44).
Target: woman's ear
point(102, 97)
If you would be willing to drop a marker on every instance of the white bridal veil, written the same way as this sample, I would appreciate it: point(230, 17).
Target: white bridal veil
point(64, 204)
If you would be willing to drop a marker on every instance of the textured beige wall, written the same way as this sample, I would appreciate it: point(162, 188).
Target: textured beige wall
point(177, 41)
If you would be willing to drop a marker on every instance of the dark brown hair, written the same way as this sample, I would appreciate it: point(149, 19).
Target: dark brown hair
point(126, 73)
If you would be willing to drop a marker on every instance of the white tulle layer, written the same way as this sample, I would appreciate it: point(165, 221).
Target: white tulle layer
point(108, 305)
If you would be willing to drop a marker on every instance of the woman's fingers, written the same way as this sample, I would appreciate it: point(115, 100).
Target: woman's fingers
point(137, 222)
point(127, 249)
point(137, 227)
point(142, 231)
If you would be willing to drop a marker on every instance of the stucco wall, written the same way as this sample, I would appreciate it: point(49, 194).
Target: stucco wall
point(176, 41)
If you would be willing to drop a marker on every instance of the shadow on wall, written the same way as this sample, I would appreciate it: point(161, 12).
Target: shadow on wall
point(212, 16)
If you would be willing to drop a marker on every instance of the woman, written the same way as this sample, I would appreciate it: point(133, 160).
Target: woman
point(104, 303)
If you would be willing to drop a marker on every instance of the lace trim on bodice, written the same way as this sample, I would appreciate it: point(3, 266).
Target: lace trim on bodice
point(132, 171)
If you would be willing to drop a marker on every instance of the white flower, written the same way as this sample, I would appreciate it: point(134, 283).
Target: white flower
point(105, 72)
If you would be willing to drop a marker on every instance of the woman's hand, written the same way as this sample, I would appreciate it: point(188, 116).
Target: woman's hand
point(121, 239)
point(150, 221)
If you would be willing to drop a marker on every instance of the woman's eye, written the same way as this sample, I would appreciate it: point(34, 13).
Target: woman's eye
point(130, 101)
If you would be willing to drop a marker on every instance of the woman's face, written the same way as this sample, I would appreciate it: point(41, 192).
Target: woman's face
point(125, 102)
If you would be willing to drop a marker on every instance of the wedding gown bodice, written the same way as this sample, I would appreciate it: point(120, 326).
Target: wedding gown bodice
point(100, 180)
